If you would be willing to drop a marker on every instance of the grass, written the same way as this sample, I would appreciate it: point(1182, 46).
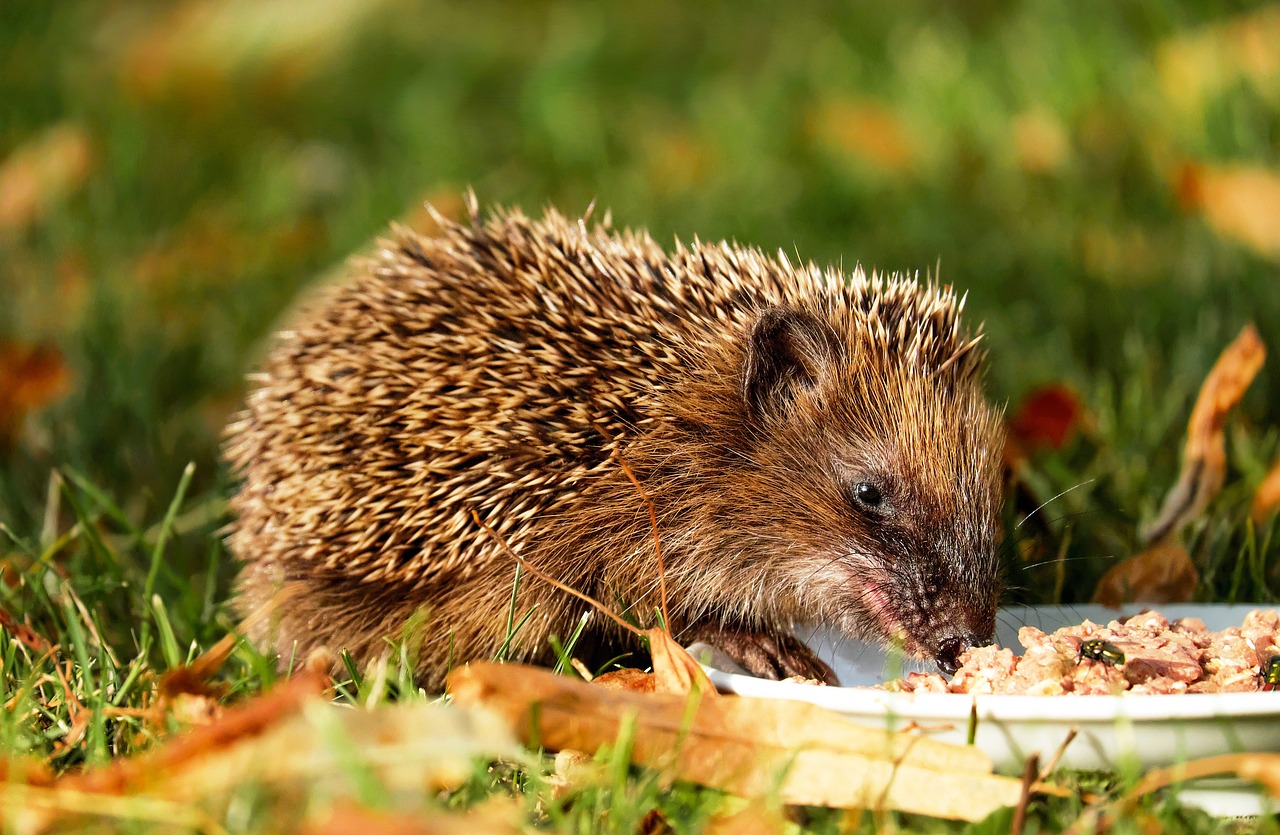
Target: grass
point(199, 171)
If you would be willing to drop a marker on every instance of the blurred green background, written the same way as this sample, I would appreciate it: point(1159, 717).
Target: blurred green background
point(1102, 177)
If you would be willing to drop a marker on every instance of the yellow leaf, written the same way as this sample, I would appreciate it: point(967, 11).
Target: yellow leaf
point(744, 746)
point(38, 174)
point(1197, 65)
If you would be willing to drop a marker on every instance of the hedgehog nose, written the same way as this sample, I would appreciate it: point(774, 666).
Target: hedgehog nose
point(950, 650)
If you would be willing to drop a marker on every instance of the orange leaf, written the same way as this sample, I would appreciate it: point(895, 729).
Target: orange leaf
point(1204, 460)
point(629, 679)
point(674, 669)
point(1265, 768)
point(1266, 499)
point(31, 377)
point(248, 719)
point(1162, 574)
point(1238, 202)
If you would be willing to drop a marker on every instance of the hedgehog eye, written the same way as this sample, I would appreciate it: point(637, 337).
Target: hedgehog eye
point(868, 495)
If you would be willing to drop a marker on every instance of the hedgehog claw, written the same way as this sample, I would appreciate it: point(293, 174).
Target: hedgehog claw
point(764, 654)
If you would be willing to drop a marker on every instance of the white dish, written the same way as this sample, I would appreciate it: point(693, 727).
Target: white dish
point(1116, 733)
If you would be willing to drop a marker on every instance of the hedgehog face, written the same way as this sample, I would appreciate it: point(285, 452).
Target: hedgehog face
point(887, 480)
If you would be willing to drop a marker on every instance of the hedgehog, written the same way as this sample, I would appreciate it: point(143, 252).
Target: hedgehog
point(816, 446)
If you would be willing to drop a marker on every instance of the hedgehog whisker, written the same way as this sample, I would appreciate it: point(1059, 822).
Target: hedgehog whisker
point(1053, 499)
point(1057, 560)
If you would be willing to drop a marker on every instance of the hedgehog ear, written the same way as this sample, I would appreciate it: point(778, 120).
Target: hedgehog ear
point(787, 350)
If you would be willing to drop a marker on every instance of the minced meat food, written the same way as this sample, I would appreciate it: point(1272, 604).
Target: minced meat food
point(1144, 653)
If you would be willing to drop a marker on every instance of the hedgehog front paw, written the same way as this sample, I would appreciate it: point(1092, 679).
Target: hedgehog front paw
point(763, 654)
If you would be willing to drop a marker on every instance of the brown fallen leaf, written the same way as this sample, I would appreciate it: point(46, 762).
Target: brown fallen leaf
point(628, 678)
point(412, 750)
point(186, 693)
point(243, 721)
point(745, 746)
point(1204, 459)
point(31, 377)
point(654, 823)
point(1163, 573)
point(1266, 499)
point(408, 747)
point(1240, 203)
point(26, 636)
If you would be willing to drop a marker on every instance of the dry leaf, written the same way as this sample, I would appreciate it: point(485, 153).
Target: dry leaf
point(654, 823)
point(408, 747)
point(744, 746)
point(244, 721)
point(574, 769)
point(1266, 499)
point(1163, 573)
point(1204, 460)
point(1240, 203)
point(38, 174)
point(629, 678)
point(1265, 768)
point(186, 694)
point(289, 741)
point(31, 377)
point(867, 131)
point(24, 634)
point(674, 669)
